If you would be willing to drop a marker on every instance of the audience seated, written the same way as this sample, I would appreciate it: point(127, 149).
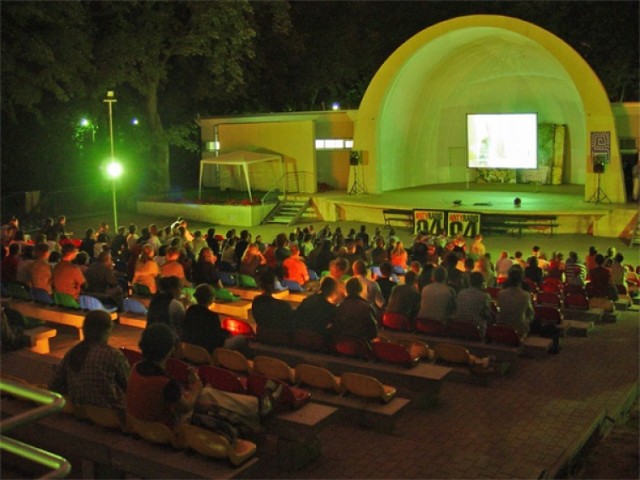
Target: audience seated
point(10, 263)
point(516, 309)
point(473, 304)
point(601, 282)
point(533, 272)
point(575, 271)
point(165, 307)
point(146, 270)
point(173, 268)
point(205, 270)
point(317, 312)
point(201, 326)
point(294, 268)
point(252, 260)
point(92, 372)
point(438, 300)
point(101, 278)
point(355, 317)
point(68, 278)
point(41, 271)
point(268, 312)
point(405, 298)
point(371, 291)
point(384, 281)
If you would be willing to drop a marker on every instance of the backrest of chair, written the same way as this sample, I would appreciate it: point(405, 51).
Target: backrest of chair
point(221, 379)
point(292, 285)
point(466, 330)
point(549, 298)
point(451, 353)
point(503, 334)
point(142, 290)
point(87, 302)
point(155, 432)
point(273, 368)
point(493, 292)
point(317, 377)
point(273, 336)
point(308, 340)
point(352, 347)
point(575, 289)
point(429, 326)
point(533, 286)
point(178, 370)
point(131, 305)
point(622, 290)
point(18, 291)
point(65, 300)
point(231, 360)
point(547, 314)
point(362, 385)
point(576, 301)
point(227, 279)
point(41, 296)
point(133, 356)
point(225, 295)
point(551, 284)
point(237, 326)
point(393, 353)
point(195, 354)
point(396, 321)
point(247, 281)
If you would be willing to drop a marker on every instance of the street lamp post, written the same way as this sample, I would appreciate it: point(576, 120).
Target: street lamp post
point(114, 169)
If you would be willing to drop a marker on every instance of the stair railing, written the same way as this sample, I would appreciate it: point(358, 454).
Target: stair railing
point(50, 403)
point(293, 182)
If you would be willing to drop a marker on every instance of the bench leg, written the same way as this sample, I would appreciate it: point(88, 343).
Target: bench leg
point(41, 346)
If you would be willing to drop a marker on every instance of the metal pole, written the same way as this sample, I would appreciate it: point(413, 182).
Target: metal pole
point(109, 100)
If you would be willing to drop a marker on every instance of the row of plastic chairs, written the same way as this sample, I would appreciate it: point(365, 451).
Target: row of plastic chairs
point(20, 291)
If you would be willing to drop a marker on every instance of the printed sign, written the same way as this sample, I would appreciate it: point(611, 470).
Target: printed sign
point(430, 221)
point(463, 222)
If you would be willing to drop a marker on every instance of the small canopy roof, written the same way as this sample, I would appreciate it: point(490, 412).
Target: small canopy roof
point(239, 158)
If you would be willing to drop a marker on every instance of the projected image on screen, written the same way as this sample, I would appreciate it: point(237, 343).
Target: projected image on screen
point(502, 140)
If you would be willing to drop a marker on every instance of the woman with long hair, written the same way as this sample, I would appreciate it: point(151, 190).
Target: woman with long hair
point(92, 372)
point(399, 256)
point(146, 269)
point(252, 259)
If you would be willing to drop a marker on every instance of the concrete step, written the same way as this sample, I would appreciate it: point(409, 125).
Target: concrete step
point(577, 328)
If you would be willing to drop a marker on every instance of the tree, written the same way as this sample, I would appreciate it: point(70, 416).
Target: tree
point(138, 43)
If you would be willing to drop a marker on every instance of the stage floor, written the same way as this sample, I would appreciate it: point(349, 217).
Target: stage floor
point(484, 198)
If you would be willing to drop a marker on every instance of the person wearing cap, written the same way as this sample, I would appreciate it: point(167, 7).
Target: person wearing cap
point(202, 327)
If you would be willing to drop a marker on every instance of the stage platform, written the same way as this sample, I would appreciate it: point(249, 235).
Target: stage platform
point(575, 215)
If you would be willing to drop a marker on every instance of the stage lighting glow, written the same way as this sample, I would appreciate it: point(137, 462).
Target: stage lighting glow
point(335, 106)
point(134, 121)
point(503, 140)
point(114, 169)
point(85, 122)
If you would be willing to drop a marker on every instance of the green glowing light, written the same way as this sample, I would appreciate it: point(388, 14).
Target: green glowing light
point(114, 169)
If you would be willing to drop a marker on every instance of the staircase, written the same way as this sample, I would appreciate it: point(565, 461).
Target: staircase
point(635, 238)
point(290, 211)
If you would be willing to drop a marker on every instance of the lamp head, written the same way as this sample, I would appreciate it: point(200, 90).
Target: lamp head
point(114, 169)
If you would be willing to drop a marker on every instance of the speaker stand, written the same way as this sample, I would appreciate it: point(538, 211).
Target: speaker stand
point(599, 196)
point(357, 188)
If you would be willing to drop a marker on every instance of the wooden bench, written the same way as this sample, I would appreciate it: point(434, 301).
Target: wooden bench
point(138, 320)
point(53, 314)
point(98, 449)
point(239, 309)
point(395, 217)
point(38, 338)
point(369, 413)
point(593, 315)
point(516, 223)
point(421, 383)
point(251, 293)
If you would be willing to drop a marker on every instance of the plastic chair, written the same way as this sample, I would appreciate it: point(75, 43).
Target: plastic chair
point(352, 347)
point(552, 285)
point(224, 295)
point(394, 353)
point(450, 353)
point(576, 301)
point(247, 281)
point(503, 334)
point(221, 379)
point(104, 417)
point(40, 295)
point(309, 340)
point(178, 370)
point(194, 354)
point(430, 326)
point(493, 292)
point(465, 330)
point(574, 289)
point(232, 360)
point(154, 432)
point(133, 306)
point(87, 302)
point(237, 326)
point(210, 444)
point(396, 321)
point(273, 368)
point(292, 285)
point(547, 315)
point(65, 300)
point(142, 290)
point(18, 290)
point(532, 285)
point(291, 397)
point(317, 377)
point(549, 299)
point(227, 279)
point(366, 386)
point(133, 356)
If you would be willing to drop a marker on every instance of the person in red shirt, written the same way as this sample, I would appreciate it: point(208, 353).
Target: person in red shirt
point(294, 267)
point(10, 263)
point(601, 283)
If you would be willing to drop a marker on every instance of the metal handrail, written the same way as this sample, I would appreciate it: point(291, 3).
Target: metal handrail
point(51, 403)
point(291, 181)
